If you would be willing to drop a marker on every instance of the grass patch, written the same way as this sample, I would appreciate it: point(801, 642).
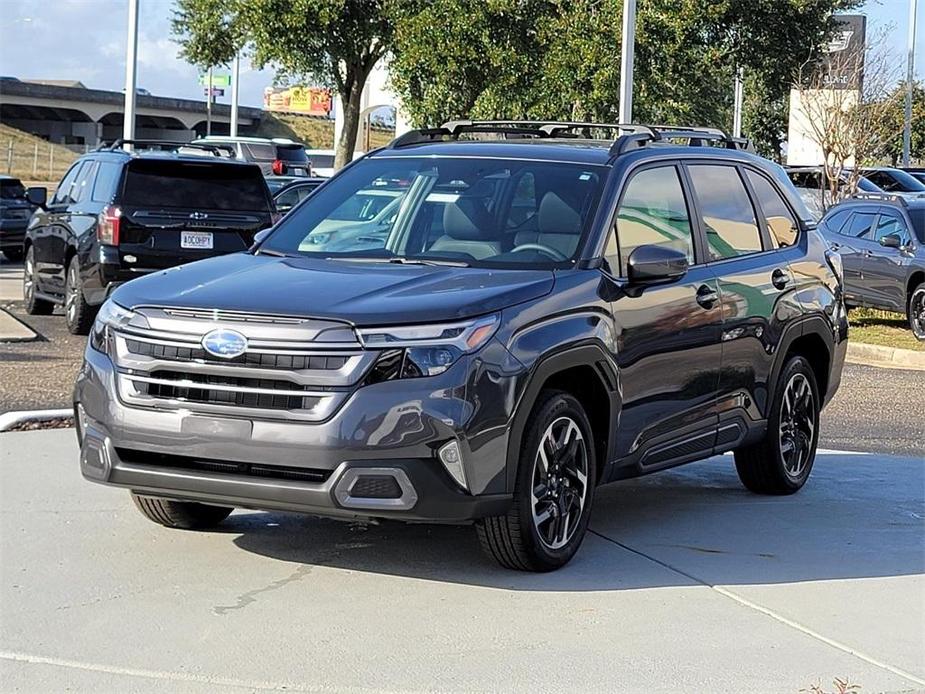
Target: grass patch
point(882, 328)
point(316, 133)
point(34, 159)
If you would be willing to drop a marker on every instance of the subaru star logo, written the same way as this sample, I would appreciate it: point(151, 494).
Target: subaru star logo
point(225, 343)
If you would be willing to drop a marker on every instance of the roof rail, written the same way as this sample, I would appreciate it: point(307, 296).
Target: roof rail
point(883, 197)
point(630, 135)
point(215, 149)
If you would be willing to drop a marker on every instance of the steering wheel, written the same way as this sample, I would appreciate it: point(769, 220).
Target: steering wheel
point(540, 248)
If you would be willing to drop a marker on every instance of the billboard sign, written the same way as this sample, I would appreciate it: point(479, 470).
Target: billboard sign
point(842, 64)
point(309, 101)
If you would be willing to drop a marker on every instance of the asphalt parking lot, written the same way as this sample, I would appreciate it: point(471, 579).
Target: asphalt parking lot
point(686, 583)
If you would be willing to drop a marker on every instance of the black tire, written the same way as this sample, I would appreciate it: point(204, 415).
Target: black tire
point(34, 305)
point(781, 462)
point(915, 312)
point(188, 515)
point(514, 539)
point(78, 314)
point(14, 255)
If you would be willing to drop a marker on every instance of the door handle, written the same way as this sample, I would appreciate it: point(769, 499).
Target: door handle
point(834, 246)
point(706, 296)
point(779, 278)
point(867, 253)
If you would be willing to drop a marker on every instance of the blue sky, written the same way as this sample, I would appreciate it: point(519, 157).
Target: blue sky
point(85, 40)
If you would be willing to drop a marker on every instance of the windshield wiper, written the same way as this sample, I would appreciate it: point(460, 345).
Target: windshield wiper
point(400, 260)
point(275, 254)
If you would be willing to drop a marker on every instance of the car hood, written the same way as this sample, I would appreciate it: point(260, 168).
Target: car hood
point(362, 293)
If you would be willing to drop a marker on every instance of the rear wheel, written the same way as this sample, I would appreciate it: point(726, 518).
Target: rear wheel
point(916, 312)
point(188, 515)
point(14, 255)
point(552, 495)
point(782, 461)
point(77, 312)
point(34, 305)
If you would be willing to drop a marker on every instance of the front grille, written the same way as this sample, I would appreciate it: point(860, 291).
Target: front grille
point(259, 360)
point(222, 467)
point(231, 390)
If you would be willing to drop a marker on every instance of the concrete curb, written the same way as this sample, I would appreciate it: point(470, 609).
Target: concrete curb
point(9, 420)
point(14, 330)
point(891, 357)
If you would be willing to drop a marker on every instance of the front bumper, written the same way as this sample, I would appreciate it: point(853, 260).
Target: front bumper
point(381, 432)
point(12, 233)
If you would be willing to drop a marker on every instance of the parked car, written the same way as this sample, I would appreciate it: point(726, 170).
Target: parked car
point(894, 181)
point(917, 173)
point(322, 162)
point(544, 314)
point(294, 192)
point(118, 215)
point(813, 187)
point(274, 183)
point(15, 211)
point(276, 156)
point(881, 241)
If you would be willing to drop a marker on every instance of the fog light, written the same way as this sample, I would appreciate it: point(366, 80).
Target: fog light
point(452, 461)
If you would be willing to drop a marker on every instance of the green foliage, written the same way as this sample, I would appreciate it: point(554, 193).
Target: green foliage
point(895, 120)
point(561, 59)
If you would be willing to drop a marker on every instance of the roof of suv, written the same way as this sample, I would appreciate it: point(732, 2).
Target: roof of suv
point(173, 154)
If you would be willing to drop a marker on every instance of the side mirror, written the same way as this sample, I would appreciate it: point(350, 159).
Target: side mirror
point(653, 264)
point(891, 241)
point(37, 196)
point(261, 235)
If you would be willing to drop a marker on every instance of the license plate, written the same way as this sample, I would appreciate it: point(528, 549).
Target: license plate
point(196, 239)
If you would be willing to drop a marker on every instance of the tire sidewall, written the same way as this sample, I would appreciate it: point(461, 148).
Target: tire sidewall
point(556, 405)
point(797, 365)
point(918, 290)
point(30, 267)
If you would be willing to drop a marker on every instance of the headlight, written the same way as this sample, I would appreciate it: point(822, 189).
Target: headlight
point(111, 315)
point(424, 350)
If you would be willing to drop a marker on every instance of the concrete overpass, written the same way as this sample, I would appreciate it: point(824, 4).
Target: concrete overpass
point(77, 115)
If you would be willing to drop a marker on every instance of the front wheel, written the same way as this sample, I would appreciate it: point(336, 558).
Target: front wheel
point(916, 312)
point(781, 462)
point(555, 484)
point(188, 515)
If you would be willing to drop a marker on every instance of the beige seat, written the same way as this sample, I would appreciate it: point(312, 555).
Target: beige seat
point(468, 228)
point(558, 226)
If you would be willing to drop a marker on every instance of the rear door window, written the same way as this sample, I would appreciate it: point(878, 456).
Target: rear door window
point(189, 185)
point(726, 211)
point(106, 178)
point(782, 225)
point(859, 226)
point(84, 183)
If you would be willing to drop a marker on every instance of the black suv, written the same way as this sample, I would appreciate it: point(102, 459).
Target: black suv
point(881, 241)
point(118, 215)
point(541, 313)
point(15, 211)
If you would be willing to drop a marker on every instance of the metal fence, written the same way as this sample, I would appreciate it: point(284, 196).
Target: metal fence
point(39, 161)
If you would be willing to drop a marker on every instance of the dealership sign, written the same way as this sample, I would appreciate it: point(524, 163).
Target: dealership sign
point(842, 64)
point(310, 101)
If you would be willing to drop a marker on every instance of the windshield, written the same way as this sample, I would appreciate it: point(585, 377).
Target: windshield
point(11, 189)
point(459, 210)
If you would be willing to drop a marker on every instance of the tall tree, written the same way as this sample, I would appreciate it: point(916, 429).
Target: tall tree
point(336, 43)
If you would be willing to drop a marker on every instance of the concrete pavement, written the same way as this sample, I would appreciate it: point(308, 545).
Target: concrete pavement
point(687, 583)
point(10, 281)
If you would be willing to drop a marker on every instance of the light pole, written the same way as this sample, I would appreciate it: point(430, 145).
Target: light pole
point(235, 67)
point(737, 113)
point(131, 59)
point(910, 76)
point(627, 54)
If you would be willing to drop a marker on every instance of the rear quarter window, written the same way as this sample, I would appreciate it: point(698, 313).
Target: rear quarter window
point(213, 186)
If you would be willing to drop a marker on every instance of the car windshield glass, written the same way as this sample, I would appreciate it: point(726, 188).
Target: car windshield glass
point(213, 186)
point(474, 211)
point(291, 153)
point(322, 161)
point(901, 181)
point(867, 186)
point(11, 189)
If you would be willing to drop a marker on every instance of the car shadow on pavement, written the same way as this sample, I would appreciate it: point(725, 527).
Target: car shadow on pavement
point(859, 516)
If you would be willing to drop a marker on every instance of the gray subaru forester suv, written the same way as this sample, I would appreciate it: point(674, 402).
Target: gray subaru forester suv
point(536, 309)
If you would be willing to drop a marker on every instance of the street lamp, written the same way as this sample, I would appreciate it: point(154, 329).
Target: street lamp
point(627, 54)
point(131, 60)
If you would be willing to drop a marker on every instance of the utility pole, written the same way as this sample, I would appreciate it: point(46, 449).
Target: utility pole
point(235, 67)
point(131, 60)
point(737, 113)
point(209, 104)
point(910, 77)
point(627, 55)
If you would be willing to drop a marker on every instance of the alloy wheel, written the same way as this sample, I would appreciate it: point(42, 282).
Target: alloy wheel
point(917, 313)
point(559, 483)
point(70, 293)
point(797, 425)
point(28, 278)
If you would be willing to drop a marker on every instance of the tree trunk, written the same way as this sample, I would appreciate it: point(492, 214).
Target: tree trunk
point(344, 147)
